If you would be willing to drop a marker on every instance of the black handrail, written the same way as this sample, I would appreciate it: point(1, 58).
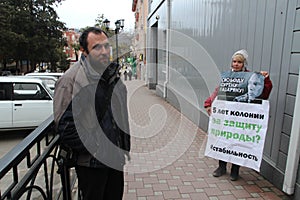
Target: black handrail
point(37, 155)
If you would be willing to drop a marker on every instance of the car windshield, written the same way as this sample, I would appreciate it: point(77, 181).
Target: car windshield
point(50, 83)
point(51, 92)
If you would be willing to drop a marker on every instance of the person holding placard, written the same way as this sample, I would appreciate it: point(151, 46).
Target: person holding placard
point(239, 63)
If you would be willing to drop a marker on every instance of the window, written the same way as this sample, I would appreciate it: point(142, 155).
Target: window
point(5, 91)
point(29, 91)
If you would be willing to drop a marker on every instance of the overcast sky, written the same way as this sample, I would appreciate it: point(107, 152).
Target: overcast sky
point(82, 13)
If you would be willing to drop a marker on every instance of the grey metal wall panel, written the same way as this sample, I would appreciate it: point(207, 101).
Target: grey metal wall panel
point(292, 84)
point(284, 144)
point(287, 124)
point(295, 63)
point(268, 35)
point(273, 175)
point(296, 43)
point(252, 23)
point(281, 163)
point(273, 44)
point(290, 104)
point(237, 7)
point(229, 31)
point(297, 21)
point(259, 39)
point(242, 23)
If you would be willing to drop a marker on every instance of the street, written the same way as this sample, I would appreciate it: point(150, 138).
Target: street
point(9, 139)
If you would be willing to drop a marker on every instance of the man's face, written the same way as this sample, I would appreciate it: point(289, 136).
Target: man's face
point(99, 51)
point(255, 86)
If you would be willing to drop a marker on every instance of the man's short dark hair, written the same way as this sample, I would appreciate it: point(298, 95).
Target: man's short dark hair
point(83, 38)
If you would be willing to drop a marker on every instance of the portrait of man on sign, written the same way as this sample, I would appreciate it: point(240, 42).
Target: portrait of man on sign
point(255, 87)
point(241, 87)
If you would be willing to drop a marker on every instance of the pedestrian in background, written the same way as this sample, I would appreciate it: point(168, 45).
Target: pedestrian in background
point(125, 73)
point(129, 72)
point(90, 114)
point(239, 62)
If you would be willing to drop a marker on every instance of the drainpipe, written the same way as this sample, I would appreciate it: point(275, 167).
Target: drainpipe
point(167, 47)
point(292, 162)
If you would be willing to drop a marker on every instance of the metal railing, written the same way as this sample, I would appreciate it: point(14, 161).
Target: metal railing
point(33, 168)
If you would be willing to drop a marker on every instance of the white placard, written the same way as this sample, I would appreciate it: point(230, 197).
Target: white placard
point(237, 131)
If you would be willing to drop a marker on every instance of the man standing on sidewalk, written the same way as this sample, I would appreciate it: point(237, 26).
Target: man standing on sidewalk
point(90, 114)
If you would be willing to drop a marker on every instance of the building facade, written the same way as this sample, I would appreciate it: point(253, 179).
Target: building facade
point(190, 42)
point(72, 44)
point(140, 8)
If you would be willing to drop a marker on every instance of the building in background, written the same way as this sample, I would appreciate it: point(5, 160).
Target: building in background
point(140, 8)
point(72, 44)
point(190, 42)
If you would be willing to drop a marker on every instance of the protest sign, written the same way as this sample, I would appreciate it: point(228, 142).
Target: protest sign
point(241, 86)
point(236, 131)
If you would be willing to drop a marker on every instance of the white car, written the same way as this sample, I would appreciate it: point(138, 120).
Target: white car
point(55, 74)
point(49, 80)
point(24, 102)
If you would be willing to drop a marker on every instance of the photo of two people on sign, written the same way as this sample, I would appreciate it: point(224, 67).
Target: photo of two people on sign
point(241, 86)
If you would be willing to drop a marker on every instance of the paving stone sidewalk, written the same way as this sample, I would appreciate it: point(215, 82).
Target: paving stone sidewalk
point(167, 157)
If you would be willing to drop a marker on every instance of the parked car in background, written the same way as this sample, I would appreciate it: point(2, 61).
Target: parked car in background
point(55, 74)
point(6, 73)
point(24, 102)
point(49, 80)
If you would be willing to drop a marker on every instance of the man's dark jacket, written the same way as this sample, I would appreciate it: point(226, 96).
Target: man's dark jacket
point(91, 116)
